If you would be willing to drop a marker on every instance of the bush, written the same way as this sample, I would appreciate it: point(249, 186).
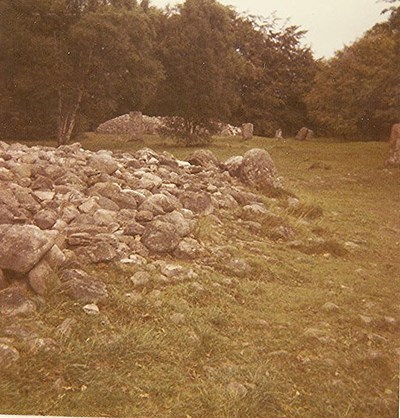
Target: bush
point(189, 133)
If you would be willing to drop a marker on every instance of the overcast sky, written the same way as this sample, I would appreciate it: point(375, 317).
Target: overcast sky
point(331, 24)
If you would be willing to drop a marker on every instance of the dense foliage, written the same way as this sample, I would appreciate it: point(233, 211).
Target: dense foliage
point(356, 94)
point(67, 65)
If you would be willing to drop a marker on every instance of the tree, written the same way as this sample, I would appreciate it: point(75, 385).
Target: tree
point(72, 58)
point(277, 73)
point(197, 51)
point(356, 94)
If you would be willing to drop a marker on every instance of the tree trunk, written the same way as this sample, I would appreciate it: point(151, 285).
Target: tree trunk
point(67, 118)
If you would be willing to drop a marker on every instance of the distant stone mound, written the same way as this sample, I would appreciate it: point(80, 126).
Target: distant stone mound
point(152, 126)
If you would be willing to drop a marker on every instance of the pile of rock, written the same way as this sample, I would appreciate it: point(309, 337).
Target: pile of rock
point(63, 208)
point(152, 126)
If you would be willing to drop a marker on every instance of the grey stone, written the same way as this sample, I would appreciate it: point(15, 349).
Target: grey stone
point(14, 301)
point(45, 219)
point(22, 246)
point(258, 170)
point(40, 277)
point(182, 225)
point(247, 130)
point(233, 165)
point(8, 355)
point(304, 134)
point(103, 162)
point(393, 158)
point(82, 287)
point(140, 278)
point(136, 126)
point(160, 237)
point(3, 280)
point(188, 249)
point(198, 203)
point(203, 158)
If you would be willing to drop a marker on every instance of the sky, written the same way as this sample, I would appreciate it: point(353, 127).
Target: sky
point(331, 24)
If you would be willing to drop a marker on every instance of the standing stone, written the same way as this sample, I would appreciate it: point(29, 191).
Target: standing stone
point(279, 134)
point(136, 126)
point(393, 158)
point(3, 281)
point(304, 134)
point(247, 130)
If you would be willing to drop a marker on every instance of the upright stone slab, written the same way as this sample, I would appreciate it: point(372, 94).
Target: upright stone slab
point(393, 158)
point(247, 130)
point(279, 134)
point(304, 134)
point(136, 126)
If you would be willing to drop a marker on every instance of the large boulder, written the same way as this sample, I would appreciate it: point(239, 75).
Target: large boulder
point(258, 170)
point(393, 158)
point(23, 246)
point(160, 237)
point(15, 301)
point(80, 286)
point(304, 134)
point(203, 158)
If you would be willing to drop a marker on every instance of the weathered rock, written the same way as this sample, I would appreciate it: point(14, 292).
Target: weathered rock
point(89, 206)
point(91, 309)
point(103, 162)
point(8, 355)
point(203, 158)
point(140, 278)
point(279, 134)
point(239, 267)
point(55, 257)
point(6, 216)
point(45, 219)
point(136, 126)
point(198, 203)
point(14, 301)
point(144, 216)
point(133, 229)
point(40, 277)
point(3, 281)
point(247, 130)
point(97, 252)
point(304, 134)
point(393, 158)
point(63, 331)
point(233, 165)
point(150, 181)
point(188, 249)
point(160, 237)
point(160, 204)
point(22, 246)
point(182, 225)
point(258, 170)
point(80, 286)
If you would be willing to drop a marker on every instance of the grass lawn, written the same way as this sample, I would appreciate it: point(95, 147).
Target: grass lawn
point(307, 334)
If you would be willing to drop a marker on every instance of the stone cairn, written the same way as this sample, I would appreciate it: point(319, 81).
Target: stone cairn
point(305, 134)
point(153, 125)
point(393, 158)
point(64, 208)
point(247, 131)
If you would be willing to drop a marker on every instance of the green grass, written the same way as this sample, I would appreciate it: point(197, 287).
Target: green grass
point(259, 345)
